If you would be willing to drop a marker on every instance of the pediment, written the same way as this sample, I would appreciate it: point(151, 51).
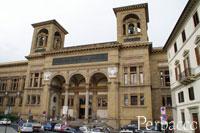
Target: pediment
point(176, 62)
point(185, 53)
point(197, 40)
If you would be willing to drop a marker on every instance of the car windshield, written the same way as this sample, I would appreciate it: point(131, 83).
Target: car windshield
point(27, 125)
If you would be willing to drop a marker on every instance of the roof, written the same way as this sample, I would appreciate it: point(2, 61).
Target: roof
point(125, 8)
point(184, 15)
point(50, 22)
point(16, 63)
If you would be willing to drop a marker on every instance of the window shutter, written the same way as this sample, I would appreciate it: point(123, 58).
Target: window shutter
point(176, 73)
point(184, 67)
point(197, 55)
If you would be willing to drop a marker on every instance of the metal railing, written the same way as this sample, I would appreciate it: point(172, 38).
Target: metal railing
point(186, 73)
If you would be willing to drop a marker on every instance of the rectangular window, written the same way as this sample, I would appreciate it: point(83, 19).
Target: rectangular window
point(125, 78)
point(41, 76)
point(169, 101)
point(38, 99)
point(133, 78)
point(134, 100)
point(126, 99)
point(11, 101)
point(164, 78)
point(196, 19)
point(197, 49)
point(33, 99)
point(163, 101)
point(14, 83)
point(133, 75)
point(1, 100)
point(3, 84)
point(104, 102)
point(183, 117)
point(141, 75)
point(141, 99)
point(191, 93)
point(175, 47)
point(36, 80)
point(183, 36)
point(28, 99)
point(181, 97)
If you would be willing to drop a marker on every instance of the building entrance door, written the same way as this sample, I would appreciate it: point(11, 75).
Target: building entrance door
point(196, 122)
point(82, 108)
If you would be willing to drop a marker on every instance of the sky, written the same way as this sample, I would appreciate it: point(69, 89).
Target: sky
point(87, 21)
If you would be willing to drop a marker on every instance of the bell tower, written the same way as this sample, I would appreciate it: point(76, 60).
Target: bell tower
point(132, 23)
point(47, 36)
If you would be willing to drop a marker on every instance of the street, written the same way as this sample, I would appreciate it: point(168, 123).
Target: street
point(13, 129)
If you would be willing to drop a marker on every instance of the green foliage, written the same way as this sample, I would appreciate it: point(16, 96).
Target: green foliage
point(11, 116)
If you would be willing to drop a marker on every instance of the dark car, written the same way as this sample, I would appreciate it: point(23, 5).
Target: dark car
point(133, 126)
point(67, 129)
point(49, 126)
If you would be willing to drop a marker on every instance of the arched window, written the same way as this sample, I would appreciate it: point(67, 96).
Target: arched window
point(131, 24)
point(131, 29)
point(42, 37)
point(57, 40)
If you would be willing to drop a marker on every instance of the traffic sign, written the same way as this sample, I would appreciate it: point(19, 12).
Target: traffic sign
point(163, 110)
point(163, 118)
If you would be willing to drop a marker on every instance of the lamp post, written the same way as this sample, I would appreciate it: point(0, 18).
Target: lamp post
point(8, 111)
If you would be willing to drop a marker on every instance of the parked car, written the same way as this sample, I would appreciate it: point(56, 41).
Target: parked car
point(26, 127)
point(133, 126)
point(49, 126)
point(151, 129)
point(5, 121)
point(36, 125)
point(67, 129)
point(100, 130)
point(85, 129)
point(58, 127)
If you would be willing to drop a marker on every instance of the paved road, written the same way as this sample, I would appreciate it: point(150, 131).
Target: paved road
point(13, 129)
point(9, 129)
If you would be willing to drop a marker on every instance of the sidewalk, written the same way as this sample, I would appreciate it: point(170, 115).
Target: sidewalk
point(9, 129)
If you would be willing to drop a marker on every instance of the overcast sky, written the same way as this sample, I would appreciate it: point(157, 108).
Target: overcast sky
point(87, 21)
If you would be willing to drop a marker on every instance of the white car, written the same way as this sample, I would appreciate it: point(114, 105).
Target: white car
point(85, 129)
point(58, 127)
point(5, 121)
point(26, 127)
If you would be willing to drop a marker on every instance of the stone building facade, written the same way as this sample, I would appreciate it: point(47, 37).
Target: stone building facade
point(115, 81)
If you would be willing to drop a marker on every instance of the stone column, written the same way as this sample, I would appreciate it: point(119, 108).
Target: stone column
point(66, 98)
point(86, 103)
point(76, 103)
point(94, 105)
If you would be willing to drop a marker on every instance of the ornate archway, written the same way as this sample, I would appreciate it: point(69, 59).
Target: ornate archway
point(56, 99)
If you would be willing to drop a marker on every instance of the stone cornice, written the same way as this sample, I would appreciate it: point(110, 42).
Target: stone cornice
point(50, 22)
point(17, 63)
point(158, 50)
point(85, 48)
point(125, 8)
point(181, 21)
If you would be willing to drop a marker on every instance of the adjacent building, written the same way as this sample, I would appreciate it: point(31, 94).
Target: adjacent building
point(114, 81)
point(183, 50)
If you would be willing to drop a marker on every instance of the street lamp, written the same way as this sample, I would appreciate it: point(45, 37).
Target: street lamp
point(8, 111)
